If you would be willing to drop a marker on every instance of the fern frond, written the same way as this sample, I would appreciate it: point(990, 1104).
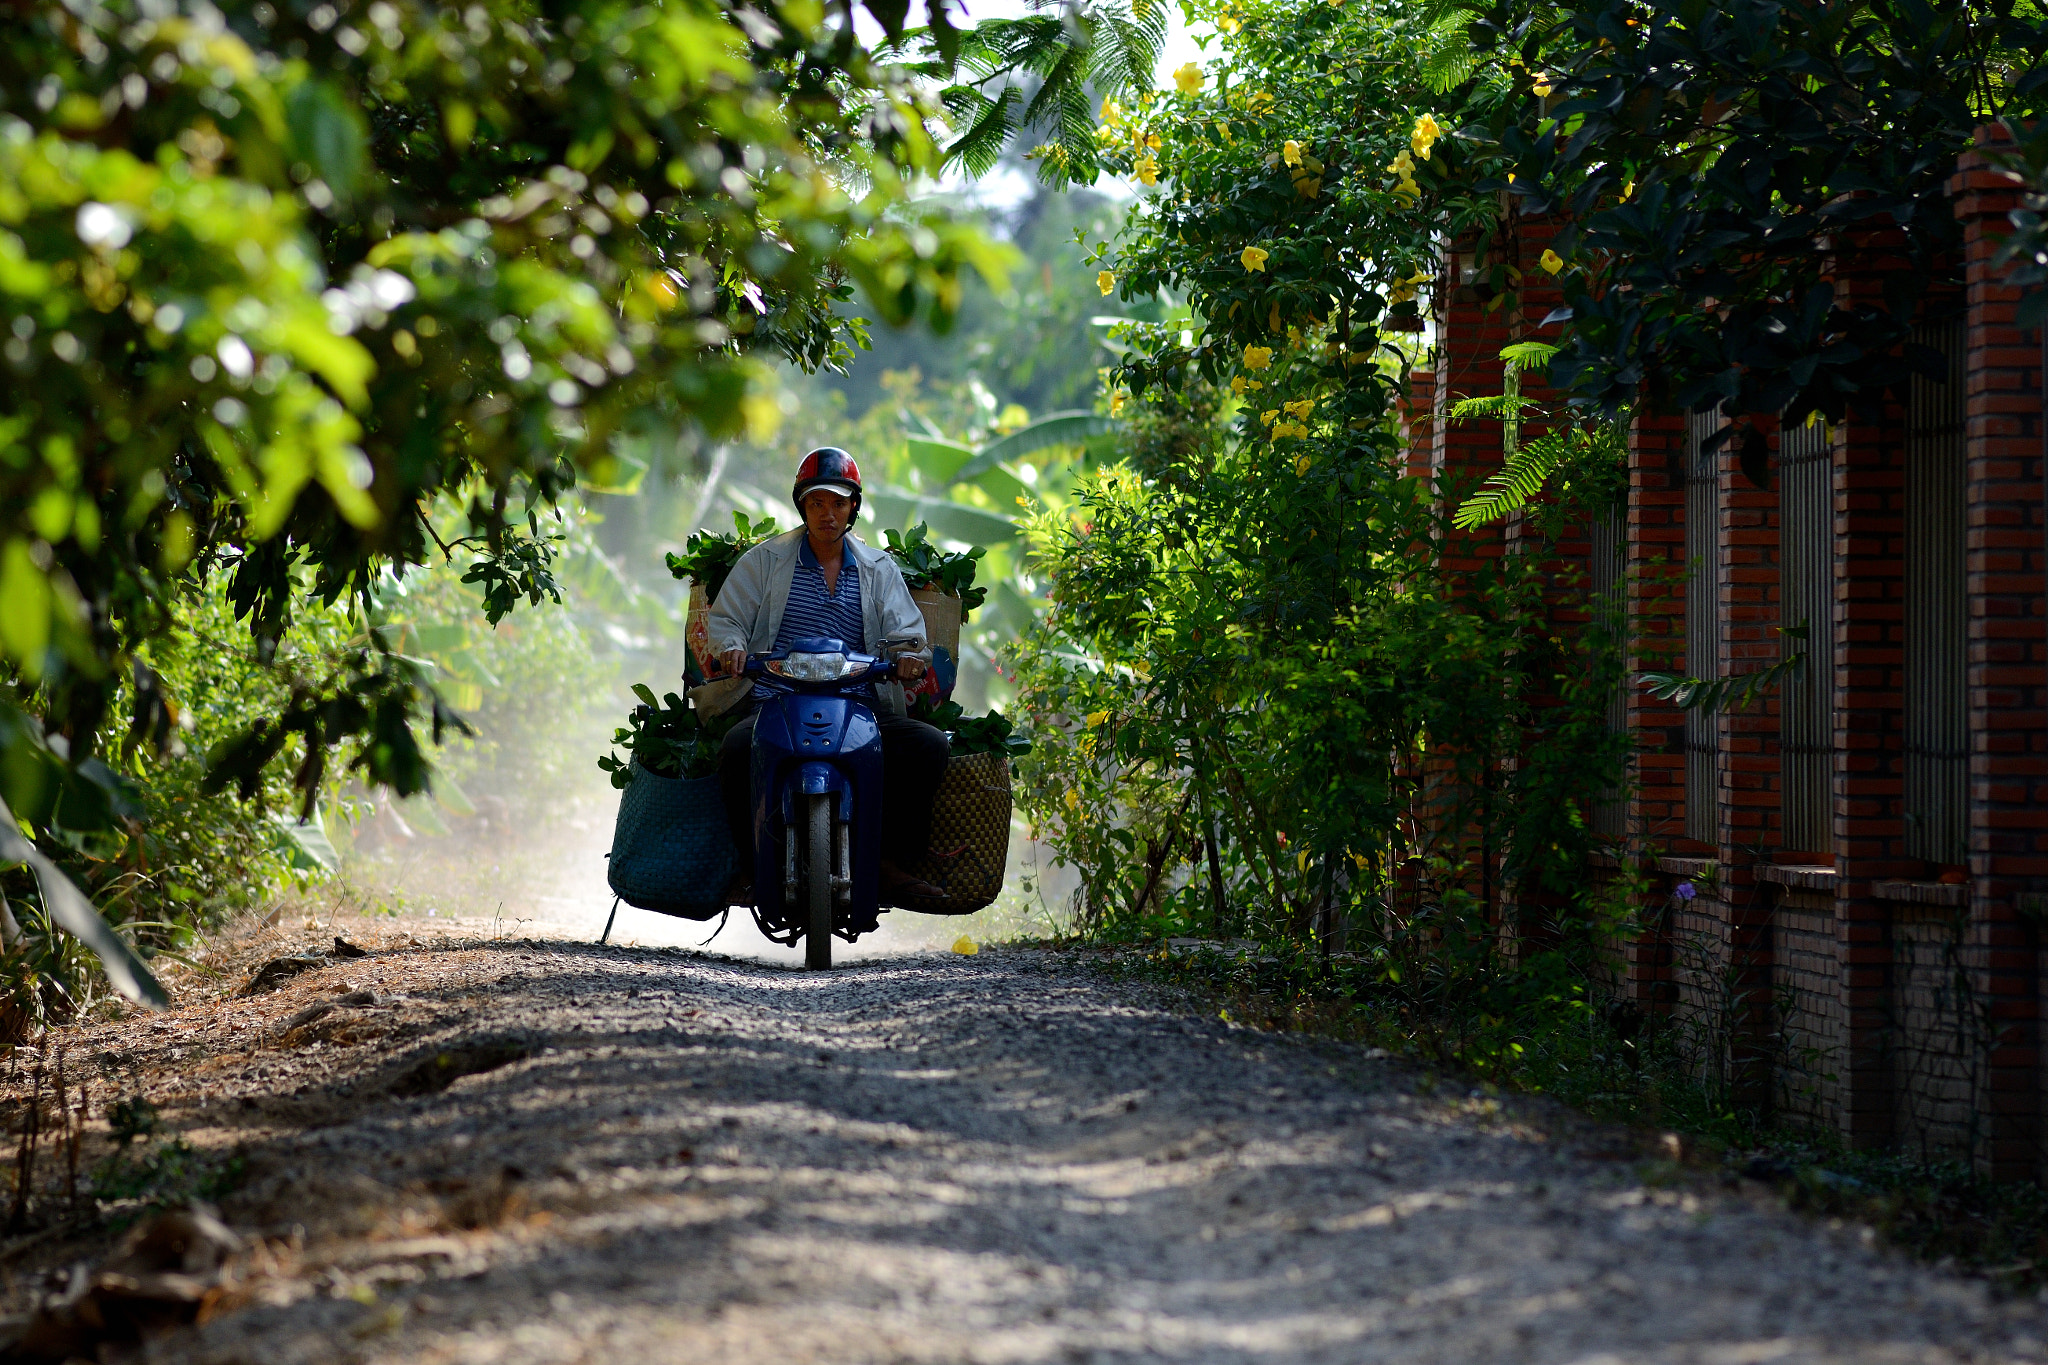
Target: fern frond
point(1498, 407)
point(1447, 56)
point(1519, 480)
point(1529, 355)
point(981, 146)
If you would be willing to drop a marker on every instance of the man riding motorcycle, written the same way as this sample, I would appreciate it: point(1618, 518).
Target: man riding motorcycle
point(794, 587)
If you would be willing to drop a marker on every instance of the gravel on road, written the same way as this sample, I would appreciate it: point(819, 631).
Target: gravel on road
point(548, 1151)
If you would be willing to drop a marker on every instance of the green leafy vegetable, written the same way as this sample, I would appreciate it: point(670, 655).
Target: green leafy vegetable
point(667, 736)
point(708, 558)
point(989, 734)
point(932, 567)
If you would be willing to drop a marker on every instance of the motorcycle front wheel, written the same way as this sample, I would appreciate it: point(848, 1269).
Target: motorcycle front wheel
point(818, 883)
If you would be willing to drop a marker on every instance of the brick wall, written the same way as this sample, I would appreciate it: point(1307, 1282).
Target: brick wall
point(1878, 1036)
point(2008, 651)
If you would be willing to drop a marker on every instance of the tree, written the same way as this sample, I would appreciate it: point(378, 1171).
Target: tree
point(1719, 167)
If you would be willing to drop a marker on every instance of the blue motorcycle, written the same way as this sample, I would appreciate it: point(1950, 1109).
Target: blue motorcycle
point(817, 795)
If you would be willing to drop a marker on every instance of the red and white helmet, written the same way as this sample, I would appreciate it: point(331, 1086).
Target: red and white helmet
point(830, 468)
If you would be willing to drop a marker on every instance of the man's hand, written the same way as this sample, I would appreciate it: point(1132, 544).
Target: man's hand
point(732, 662)
point(909, 667)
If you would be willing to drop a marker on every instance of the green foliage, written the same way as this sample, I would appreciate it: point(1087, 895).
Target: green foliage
point(989, 734)
point(1713, 164)
point(172, 1173)
point(1736, 692)
point(709, 557)
point(1263, 704)
point(283, 287)
point(930, 566)
point(1582, 458)
point(1105, 46)
point(664, 736)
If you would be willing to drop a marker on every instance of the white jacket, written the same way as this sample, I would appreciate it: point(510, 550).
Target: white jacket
point(748, 612)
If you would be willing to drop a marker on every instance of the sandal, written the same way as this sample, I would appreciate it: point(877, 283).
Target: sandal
point(908, 886)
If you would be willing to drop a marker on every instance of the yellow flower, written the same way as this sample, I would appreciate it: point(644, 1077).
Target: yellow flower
point(1147, 167)
point(1096, 718)
point(1116, 403)
point(1302, 464)
point(1542, 89)
point(1254, 258)
point(1268, 415)
point(1073, 798)
point(1427, 131)
point(1301, 407)
point(1223, 131)
point(1152, 141)
point(1112, 113)
point(965, 946)
point(1290, 152)
point(1402, 165)
point(1628, 189)
point(1105, 280)
point(1230, 21)
point(1241, 386)
point(1257, 357)
point(1551, 261)
point(1188, 77)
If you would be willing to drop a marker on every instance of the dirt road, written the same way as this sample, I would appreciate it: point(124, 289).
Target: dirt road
point(558, 1152)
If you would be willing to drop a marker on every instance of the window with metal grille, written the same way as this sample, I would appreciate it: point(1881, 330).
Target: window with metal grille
point(1702, 624)
point(1937, 742)
point(1806, 544)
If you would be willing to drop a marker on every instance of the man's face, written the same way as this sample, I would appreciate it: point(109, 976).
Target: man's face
point(827, 514)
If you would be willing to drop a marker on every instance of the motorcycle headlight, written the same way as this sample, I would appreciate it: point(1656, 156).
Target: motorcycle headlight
point(809, 667)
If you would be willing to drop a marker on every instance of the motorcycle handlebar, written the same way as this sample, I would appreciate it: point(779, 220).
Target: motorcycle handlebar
point(757, 667)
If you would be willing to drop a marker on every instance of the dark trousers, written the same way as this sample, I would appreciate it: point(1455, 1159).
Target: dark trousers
point(913, 761)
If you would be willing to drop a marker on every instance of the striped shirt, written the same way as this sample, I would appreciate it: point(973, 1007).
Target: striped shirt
point(813, 612)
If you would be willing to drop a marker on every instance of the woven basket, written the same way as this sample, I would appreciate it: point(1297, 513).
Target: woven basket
point(941, 618)
point(972, 809)
point(671, 850)
point(697, 633)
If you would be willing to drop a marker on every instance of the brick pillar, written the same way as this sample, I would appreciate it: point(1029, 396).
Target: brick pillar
point(1869, 741)
point(1418, 416)
point(1750, 783)
point(2008, 650)
point(1656, 587)
point(1656, 610)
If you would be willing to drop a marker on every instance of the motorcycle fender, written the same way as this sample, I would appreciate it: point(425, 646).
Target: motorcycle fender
point(816, 779)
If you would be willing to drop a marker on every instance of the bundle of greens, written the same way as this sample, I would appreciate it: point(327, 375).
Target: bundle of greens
point(668, 738)
point(926, 565)
point(989, 734)
point(708, 557)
